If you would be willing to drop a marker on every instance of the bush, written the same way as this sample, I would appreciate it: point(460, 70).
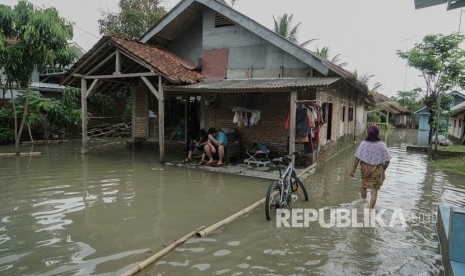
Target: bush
point(7, 134)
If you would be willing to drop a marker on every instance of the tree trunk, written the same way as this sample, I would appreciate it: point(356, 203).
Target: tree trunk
point(15, 116)
point(23, 120)
point(30, 133)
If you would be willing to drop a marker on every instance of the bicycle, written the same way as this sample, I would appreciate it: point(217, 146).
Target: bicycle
point(281, 192)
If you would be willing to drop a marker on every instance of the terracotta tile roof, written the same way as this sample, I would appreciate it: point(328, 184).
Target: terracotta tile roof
point(170, 66)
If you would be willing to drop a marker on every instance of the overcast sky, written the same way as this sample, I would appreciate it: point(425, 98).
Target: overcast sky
point(366, 33)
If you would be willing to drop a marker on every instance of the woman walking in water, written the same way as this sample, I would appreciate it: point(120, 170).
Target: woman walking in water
point(374, 158)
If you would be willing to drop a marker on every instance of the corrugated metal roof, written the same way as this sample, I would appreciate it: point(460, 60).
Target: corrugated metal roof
point(458, 109)
point(254, 84)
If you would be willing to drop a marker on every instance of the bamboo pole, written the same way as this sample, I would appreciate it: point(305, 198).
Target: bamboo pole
point(161, 253)
point(306, 170)
point(207, 231)
point(229, 219)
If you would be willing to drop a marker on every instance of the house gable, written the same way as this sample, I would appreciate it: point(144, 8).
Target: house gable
point(187, 11)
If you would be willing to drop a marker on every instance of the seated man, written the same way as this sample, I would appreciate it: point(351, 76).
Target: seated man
point(217, 142)
point(199, 143)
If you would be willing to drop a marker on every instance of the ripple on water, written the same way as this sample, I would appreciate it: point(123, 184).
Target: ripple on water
point(222, 252)
point(202, 267)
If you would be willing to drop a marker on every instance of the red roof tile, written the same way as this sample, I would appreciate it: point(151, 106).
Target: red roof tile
point(170, 66)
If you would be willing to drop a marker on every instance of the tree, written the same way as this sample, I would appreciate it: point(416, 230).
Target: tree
point(324, 53)
point(135, 18)
point(409, 99)
point(365, 78)
point(283, 26)
point(441, 61)
point(31, 39)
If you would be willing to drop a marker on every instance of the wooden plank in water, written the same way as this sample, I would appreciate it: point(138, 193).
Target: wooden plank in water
point(13, 154)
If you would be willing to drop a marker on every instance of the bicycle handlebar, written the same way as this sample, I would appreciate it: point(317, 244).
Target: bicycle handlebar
point(281, 159)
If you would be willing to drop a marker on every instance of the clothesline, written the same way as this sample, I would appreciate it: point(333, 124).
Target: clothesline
point(307, 101)
point(241, 109)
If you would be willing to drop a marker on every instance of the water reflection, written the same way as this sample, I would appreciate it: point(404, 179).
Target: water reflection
point(64, 213)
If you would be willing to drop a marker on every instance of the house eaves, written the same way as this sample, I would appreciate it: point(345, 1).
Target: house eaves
point(457, 110)
point(184, 7)
point(254, 85)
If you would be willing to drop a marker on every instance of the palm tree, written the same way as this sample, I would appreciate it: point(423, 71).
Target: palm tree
point(364, 78)
point(283, 26)
point(324, 53)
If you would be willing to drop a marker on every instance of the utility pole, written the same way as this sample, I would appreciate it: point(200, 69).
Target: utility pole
point(460, 21)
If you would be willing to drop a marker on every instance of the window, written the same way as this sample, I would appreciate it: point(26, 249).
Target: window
point(343, 113)
point(351, 114)
point(455, 123)
point(460, 123)
point(221, 21)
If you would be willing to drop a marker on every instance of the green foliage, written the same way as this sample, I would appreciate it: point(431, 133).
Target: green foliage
point(284, 27)
point(324, 53)
point(409, 99)
point(440, 59)
point(135, 18)
point(49, 114)
point(7, 134)
point(31, 39)
point(104, 103)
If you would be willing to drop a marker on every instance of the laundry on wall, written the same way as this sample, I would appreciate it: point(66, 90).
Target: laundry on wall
point(246, 117)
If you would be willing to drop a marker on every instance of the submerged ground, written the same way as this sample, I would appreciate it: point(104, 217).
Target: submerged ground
point(67, 214)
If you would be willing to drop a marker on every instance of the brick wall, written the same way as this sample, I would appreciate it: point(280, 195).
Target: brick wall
point(274, 107)
point(140, 113)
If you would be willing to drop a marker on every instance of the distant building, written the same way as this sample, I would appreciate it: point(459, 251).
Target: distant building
point(446, 123)
point(396, 115)
point(451, 4)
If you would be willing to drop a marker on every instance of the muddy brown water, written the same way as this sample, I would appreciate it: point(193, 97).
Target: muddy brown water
point(68, 214)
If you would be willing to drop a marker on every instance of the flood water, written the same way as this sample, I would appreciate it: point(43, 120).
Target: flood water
point(67, 214)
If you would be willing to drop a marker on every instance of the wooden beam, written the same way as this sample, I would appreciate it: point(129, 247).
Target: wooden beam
point(292, 127)
point(84, 115)
point(150, 86)
point(136, 60)
point(117, 62)
point(91, 88)
point(161, 121)
point(101, 63)
point(118, 76)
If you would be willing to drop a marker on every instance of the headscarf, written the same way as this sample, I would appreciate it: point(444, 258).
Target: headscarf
point(373, 134)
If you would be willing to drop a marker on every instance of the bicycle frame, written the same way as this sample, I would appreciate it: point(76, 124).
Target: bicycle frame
point(285, 180)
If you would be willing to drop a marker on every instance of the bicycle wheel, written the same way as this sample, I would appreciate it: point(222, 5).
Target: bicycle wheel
point(298, 187)
point(273, 196)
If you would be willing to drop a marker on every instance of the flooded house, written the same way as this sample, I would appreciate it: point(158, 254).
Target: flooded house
point(207, 65)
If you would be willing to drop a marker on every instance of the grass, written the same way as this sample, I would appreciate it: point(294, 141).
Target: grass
point(456, 148)
point(456, 165)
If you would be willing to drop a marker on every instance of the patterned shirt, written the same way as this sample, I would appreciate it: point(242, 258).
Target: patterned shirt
point(373, 153)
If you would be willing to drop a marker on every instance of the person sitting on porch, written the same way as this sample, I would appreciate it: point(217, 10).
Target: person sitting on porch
point(198, 143)
point(217, 143)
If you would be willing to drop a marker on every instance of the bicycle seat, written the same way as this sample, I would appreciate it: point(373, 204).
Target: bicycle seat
point(281, 160)
point(278, 160)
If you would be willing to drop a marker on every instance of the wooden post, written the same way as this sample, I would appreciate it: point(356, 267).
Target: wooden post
point(133, 119)
point(161, 121)
point(186, 109)
point(84, 114)
point(292, 126)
